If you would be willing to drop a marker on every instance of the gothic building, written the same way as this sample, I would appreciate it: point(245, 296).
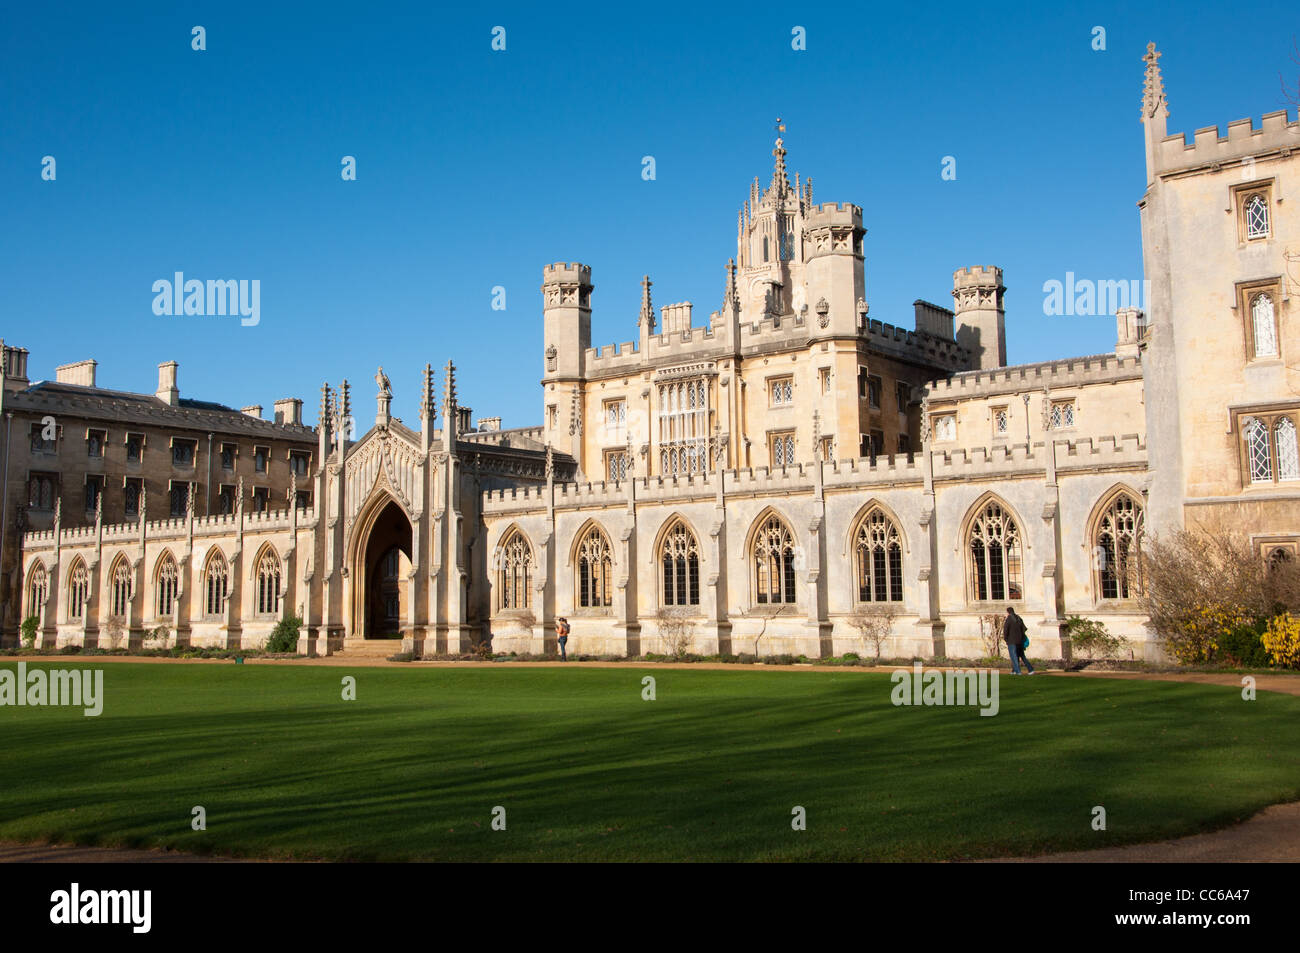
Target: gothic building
point(767, 480)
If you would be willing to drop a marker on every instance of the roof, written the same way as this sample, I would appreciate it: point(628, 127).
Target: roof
point(123, 407)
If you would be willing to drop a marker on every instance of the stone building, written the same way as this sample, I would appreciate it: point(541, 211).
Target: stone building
point(775, 479)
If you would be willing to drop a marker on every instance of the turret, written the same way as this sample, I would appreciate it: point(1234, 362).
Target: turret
point(981, 316)
point(834, 272)
point(566, 309)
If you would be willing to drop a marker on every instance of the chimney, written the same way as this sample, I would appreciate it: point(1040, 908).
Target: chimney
point(486, 424)
point(463, 417)
point(14, 367)
point(82, 373)
point(288, 410)
point(167, 390)
point(932, 319)
point(1130, 329)
point(252, 410)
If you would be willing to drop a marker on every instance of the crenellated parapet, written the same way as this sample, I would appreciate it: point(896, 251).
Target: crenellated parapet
point(1243, 143)
point(1068, 372)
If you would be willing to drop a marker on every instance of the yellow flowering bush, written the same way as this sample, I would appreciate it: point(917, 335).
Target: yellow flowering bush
point(1282, 640)
point(1201, 630)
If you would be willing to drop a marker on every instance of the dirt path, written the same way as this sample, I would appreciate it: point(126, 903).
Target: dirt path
point(1271, 836)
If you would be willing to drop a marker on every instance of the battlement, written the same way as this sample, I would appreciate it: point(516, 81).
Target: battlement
point(564, 272)
point(833, 213)
point(1243, 141)
point(1085, 453)
point(977, 276)
point(917, 346)
point(1067, 372)
point(213, 525)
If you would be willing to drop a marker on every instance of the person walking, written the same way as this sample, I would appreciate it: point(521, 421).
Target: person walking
point(562, 630)
point(1016, 636)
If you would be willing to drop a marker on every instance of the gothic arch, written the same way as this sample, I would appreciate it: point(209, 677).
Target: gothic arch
point(1101, 552)
point(992, 547)
point(512, 584)
point(120, 586)
point(592, 557)
point(771, 570)
point(166, 584)
point(850, 534)
point(36, 588)
point(671, 520)
point(78, 588)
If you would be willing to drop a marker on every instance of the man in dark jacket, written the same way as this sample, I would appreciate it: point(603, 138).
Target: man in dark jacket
point(1013, 633)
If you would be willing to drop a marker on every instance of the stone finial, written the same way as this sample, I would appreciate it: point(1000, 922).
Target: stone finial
point(730, 295)
point(326, 402)
point(1153, 87)
point(345, 402)
point(817, 435)
point(647, 316)
point(293, 488)
point(428, 402)
point(780, 181)
point(449, 387)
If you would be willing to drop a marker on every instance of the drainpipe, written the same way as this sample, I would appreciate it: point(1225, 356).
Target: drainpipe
point(207, 493)
point(4, 516)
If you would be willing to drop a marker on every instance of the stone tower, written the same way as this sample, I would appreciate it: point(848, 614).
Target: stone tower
point(980, 314)
point(566, 310)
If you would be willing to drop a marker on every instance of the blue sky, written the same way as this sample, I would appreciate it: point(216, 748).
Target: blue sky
point(475, 168)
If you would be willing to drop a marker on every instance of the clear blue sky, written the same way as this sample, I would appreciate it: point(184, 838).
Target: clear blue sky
point(476, 168)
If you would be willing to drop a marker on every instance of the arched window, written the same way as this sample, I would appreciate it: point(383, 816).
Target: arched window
point(38, 590)
point(995, 556)
point(514, 577)
point(1261, 316)
point(595, 569)
point(679, 558)
point(1257, 452)
point(120, 589)
point(878, 551)
point(78, 590)
point(268, 583)
point(1256, 217)
point(1288, 456)
point(166, 585)
point(1117, 549)
point(774, 554)
point(216, 584)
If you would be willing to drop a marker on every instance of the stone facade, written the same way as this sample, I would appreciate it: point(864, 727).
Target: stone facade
point(774, 480)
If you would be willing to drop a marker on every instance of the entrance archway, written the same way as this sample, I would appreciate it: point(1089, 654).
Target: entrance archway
point(381, 600)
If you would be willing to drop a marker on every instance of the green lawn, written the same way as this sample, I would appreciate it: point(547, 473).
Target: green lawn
point(587, 770)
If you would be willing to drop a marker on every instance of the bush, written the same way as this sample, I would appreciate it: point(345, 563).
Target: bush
point(1243, 646)
point(675, 629)
point(158, 635)
point(875, 624)
point(1090, 636)
point(1282, 640)
point(1201, 584)
point(28, 629)
point(850, 656)
point(284, 637)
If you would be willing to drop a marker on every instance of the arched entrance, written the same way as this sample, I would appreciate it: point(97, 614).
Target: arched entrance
point(382, 589)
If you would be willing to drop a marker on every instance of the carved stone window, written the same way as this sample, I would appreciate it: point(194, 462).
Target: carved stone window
point(38, 590)
point(995, 567)
point(268, 583)
point(594, 570)
point(78, 590)
point(679, 560)
point(878, 552)
point(165, 586)
point(515, 573)
point(1117, 548)
point(774, 556)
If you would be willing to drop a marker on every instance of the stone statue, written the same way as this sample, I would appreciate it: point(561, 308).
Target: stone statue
point(385, 388)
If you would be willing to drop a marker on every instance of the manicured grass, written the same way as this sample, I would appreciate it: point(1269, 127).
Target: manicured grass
point(587, 770)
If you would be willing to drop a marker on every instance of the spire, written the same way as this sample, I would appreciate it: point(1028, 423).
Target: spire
point(449, 388)
point(647, 316)
point(780, 181)
point(1153, 86)
point(428, 402)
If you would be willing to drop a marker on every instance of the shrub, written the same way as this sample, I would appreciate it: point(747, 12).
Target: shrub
point(158, 635)
point(854, 656)
point(115, 632)
point(1090, 636)
point(28, 629)
point(1201, 584)
point(1282, 640)
point(991, 634)
point(1243, 646)
point(675, 628)
point(874, 624)
point(284, 637)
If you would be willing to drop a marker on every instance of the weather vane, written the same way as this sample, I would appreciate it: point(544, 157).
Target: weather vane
point(780, 126)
